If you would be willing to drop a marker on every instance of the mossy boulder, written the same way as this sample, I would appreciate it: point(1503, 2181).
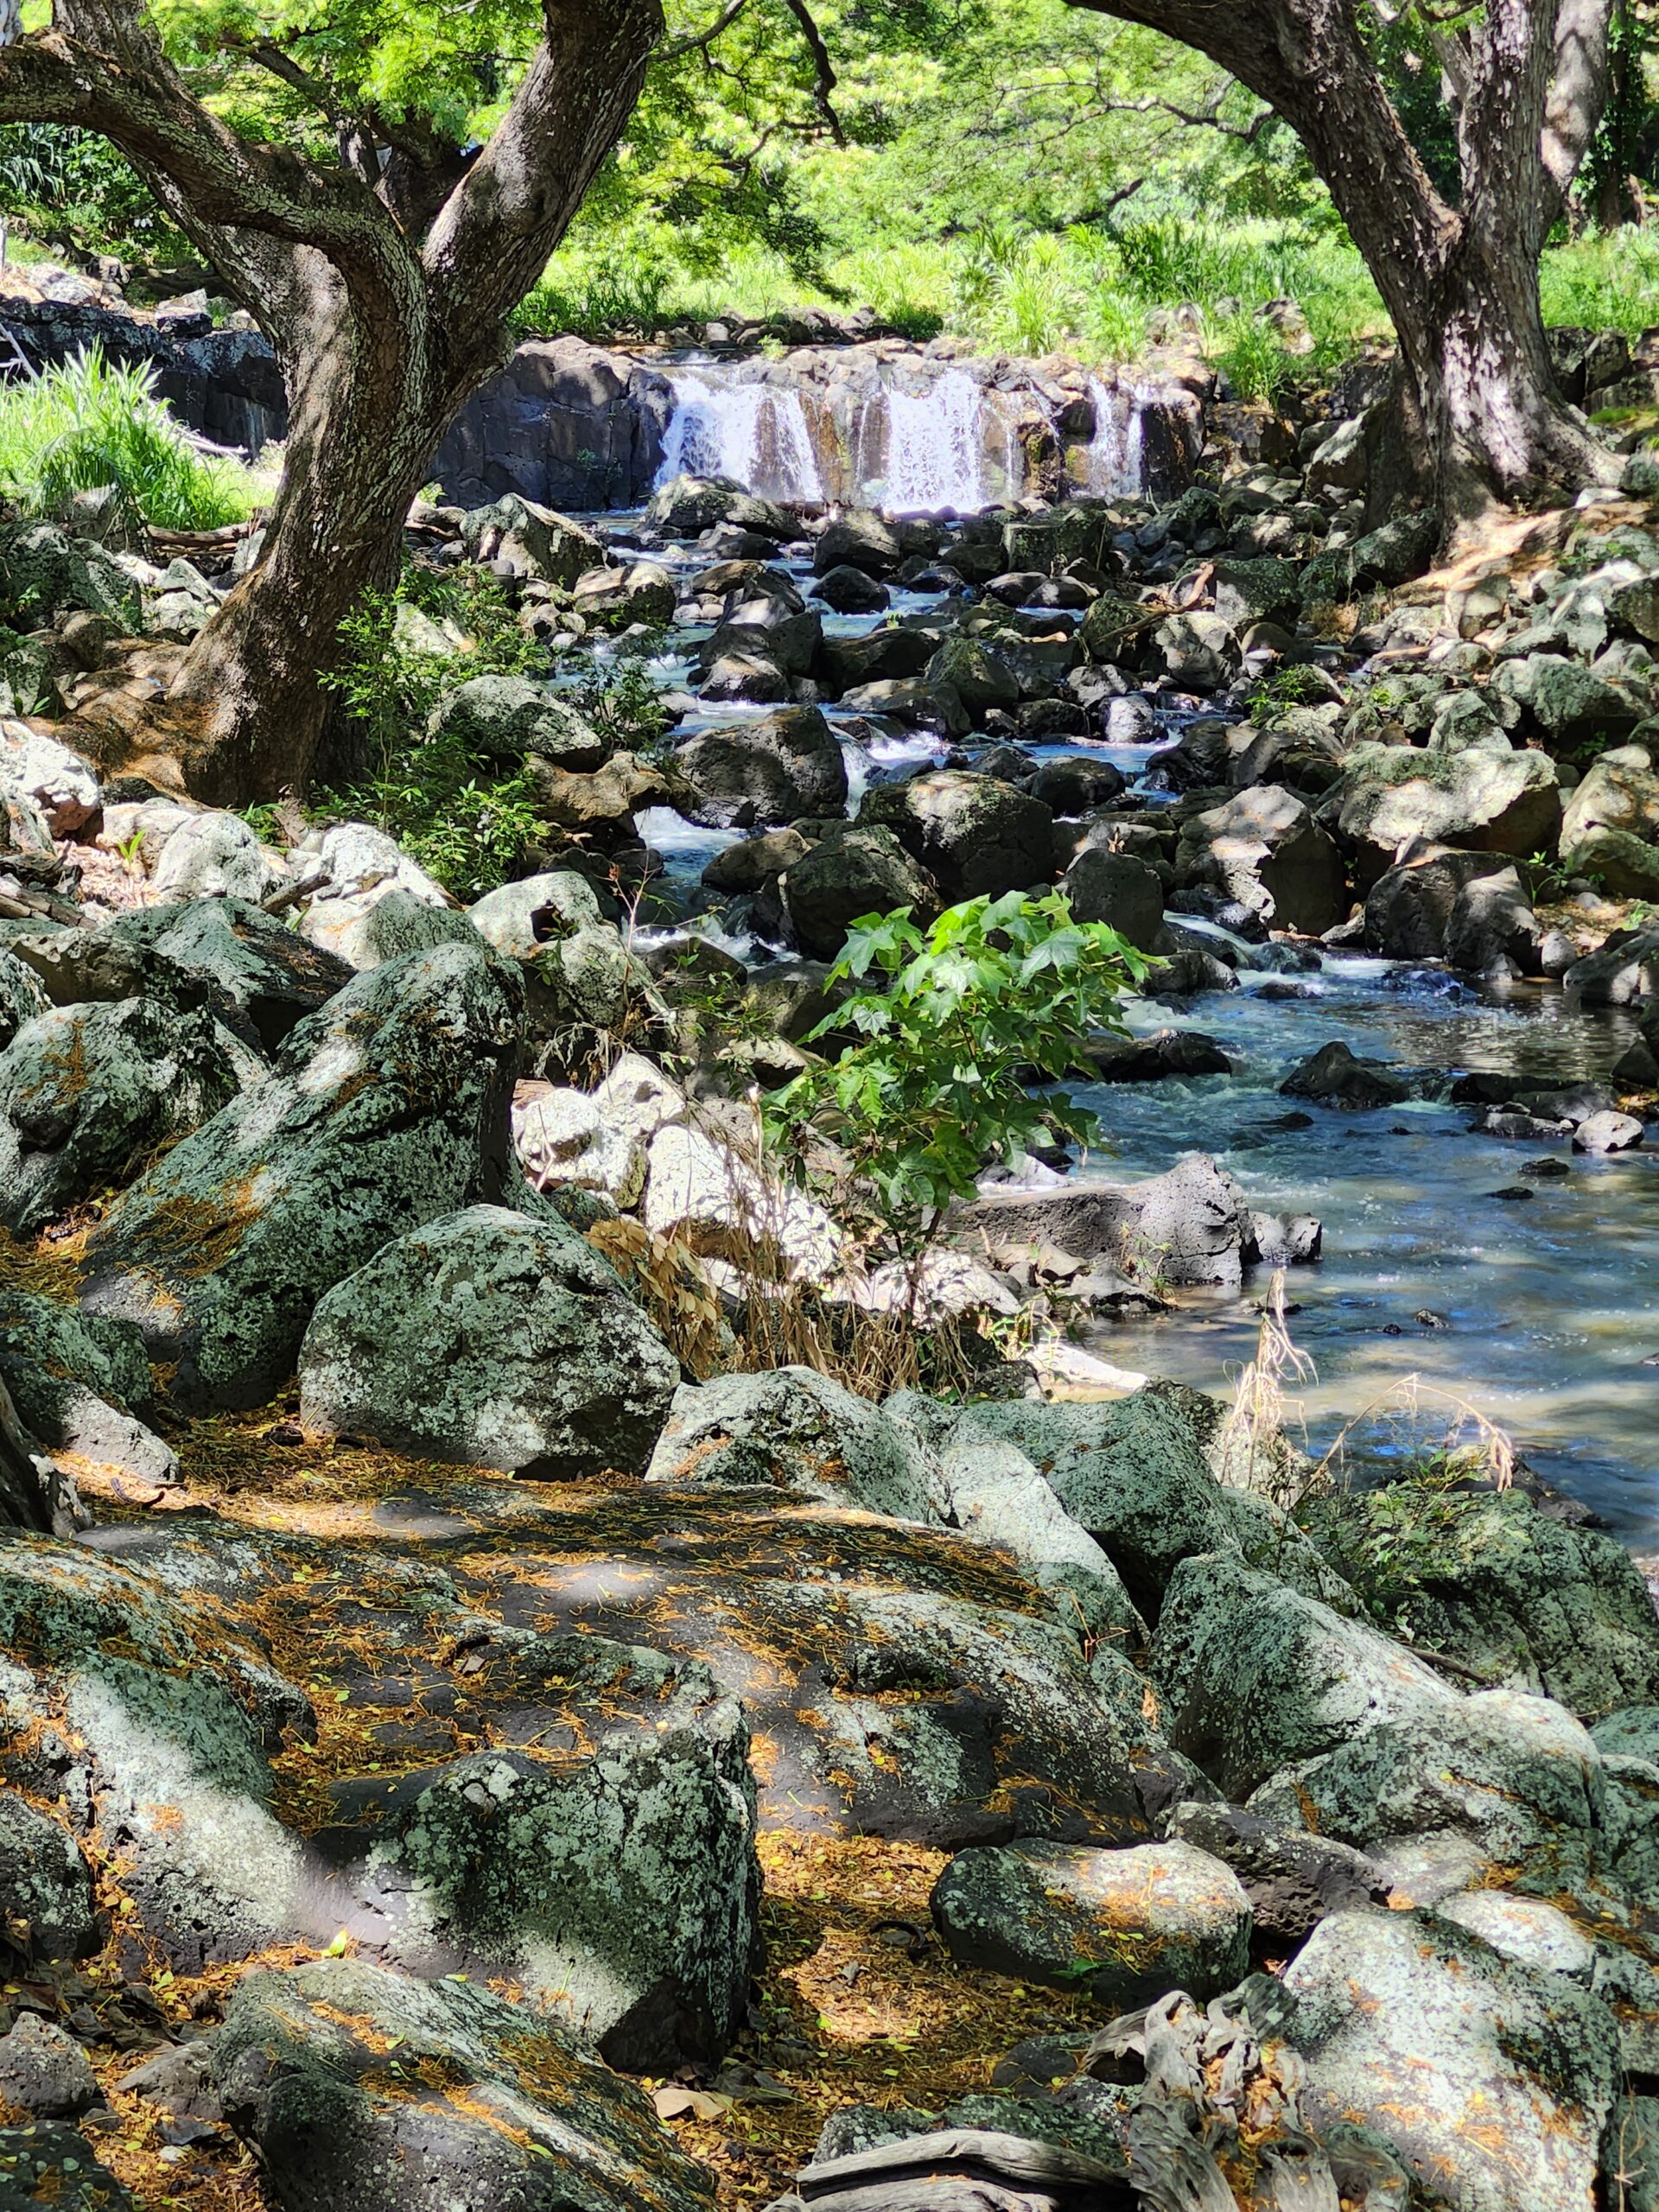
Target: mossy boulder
point(489, 1338)
point(21, 996)
point(786, 766)
point(974, 835)
point(1488, 801)
point(387, 1108)
point(857, 872)
point(261, 969)
point(44, 573)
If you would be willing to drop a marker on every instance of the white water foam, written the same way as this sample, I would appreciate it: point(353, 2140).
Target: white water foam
point(1116, 453)
point(934, 453)
point(754, 433)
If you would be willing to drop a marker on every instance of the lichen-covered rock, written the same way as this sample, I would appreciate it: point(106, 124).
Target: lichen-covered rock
point(793, 1429)
point(270, 974)
point(504, 717)
point(1492, 2082)
point(1526, 1600)
point(857, 872)
point(214, 856)
point(77, 1383)
point(1489, 801)
point(1128, 1926)
point(86, 1092)
point(356, 869)
point(566, 1140)
point(493, 1339)
point(387, 1108)
point(519, 918)
point(20, 997)
point(1529, 1929)
point(1293, 1879)
point(975, 837)
point(49, 2165)
point(1514, 1774)
point(44, 572)
point(151, 1720)
point(532, 540)
point(1255, 1675)
point(45, 780)
point(622, 1892)
point(44, 2071)
point(365, 2091)
point(727, 1206)
point(47, 1902)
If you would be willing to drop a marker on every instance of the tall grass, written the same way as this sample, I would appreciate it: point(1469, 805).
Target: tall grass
point(90, 423)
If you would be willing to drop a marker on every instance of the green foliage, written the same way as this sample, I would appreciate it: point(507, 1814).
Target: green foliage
point(954, 1026)
point(1293, 686)
point(1392, 1543)
point(624, 706)
point(88, 424)
point(452, 810)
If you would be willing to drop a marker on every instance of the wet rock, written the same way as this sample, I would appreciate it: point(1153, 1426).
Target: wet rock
point(1333, 1077)
point(1293, 1880)
point(1624, 970)
point(1493, 2083)
point(505, 717)
point(1122, 890)
point(686, 505)
point(1255, 1675)
point(974, 836)
point(858, 539)
point(743, 869)
point(1180, 1054)
point(46, 1901)
point(622, 1892)
point(1486, 801)
point(1607, 1132)
point(44, 2071)
point(388, 1107)
point(1126, 1925)
point(490, 1338)
point(86, 1092)
point(781, 768)
point(791, 1429)
point(494, 2103)
point(1076, 782)
point(858, 872)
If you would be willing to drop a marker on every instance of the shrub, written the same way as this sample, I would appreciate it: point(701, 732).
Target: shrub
point(89, 424)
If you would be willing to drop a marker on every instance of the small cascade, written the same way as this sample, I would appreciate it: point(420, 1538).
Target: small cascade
point(754, 433)
point(1117, 451)
point(935, 455)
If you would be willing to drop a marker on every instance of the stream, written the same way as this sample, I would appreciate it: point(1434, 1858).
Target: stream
point(1543, 1313)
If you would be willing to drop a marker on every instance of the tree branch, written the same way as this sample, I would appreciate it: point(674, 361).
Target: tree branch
point(824, 69)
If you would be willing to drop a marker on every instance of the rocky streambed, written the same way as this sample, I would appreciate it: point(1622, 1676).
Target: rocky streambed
point(464, 1733)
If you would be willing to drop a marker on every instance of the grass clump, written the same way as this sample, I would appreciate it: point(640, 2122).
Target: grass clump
point(88, 424)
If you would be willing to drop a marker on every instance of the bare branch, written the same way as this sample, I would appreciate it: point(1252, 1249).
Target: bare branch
point(824, 69)
point(701, 41)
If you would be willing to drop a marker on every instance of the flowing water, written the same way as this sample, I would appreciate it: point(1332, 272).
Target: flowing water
point(754, 433)
point(1116, 452)
point(1544, 1311)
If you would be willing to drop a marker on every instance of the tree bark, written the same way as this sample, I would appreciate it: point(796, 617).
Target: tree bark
point(1461, 285)
point(382, 335)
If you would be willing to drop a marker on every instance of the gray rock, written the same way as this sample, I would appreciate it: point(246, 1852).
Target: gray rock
point(976, 836)
point(1126, 1926)
point(1569, 703)
point(47, 1900)
point(1493, 930)
point(1333, 1077)
point(531, 539)
point(857, 539)
point(856, 873)
point(1618, 790)
point(1265, 850)
point(784, 767)
point(1607, 1132)
point(1492, 2082)
point(387, 1108)
point(86, 1092)
point(979, 679)
point(791, 1429)
point(49, 573)
point(1255, 1675)
point(1262, 590)
point(1625, 969)
point(1490, 802)
point(1077, 781)
point(848, 590)
point(509, 2111)
point(214, 856)
point(491, 1338)
point(622, 1892)
point(1524, 1929)
point(504, 717)
point(44, 2070)
point(1122, 890)
point(1626, 867)
point(1200, 652)
point(1293, 1880)
point(1513, 1774)
point(76, 1384)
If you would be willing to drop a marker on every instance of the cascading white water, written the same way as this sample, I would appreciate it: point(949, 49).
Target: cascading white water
point(935, 455)
point(1116, 452)
point(754, 433)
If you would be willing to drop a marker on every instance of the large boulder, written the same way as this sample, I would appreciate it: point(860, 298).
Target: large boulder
point(1122, 890)
point(622, 1891)
point(792, 1430)
point(355, 870)
point(1571, 703)
point(1493, 931)
point(263, 970)
point(46, 781)
point(1408, 909)
point(838, 882)
point(1493, 2081)
point(976, 836)
point(492, 2103)
point(505, 717)
point(88, 1092)
point(214, 856)
point(387, 1108)
point(1126, 1926)
point(1255, 1673)
point(784, 767)
point(857, 539)
point(686, 505)
point(1335, 1076)
point(490, 1338)
point(79, 1384)
point(732, 1206)
point(1619, 790)
point(1487, 801)
point(979, 679)
point(531, 541)
point(44, 572)
point(1265, 850)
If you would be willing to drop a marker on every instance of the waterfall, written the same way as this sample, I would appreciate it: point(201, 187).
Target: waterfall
point(754, 433)
point(934, 452)
point(1117, 455)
